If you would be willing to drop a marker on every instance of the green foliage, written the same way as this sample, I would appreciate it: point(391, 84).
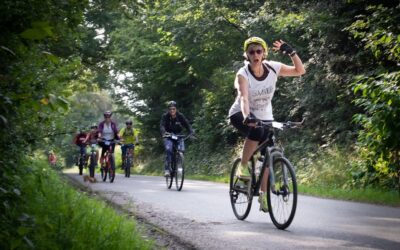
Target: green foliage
point(55, 216)
point(379, 92)
point(211, 123)
point(189, 51)
point(333, 167)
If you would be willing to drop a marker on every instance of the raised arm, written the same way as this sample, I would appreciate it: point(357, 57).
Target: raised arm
point(297, 69)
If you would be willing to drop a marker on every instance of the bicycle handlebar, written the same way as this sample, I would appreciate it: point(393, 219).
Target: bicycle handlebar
point(111, 141)
point(172, 135)
point(280, 125)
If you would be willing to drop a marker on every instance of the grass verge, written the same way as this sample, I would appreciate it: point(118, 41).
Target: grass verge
point(56, 216)
point(369, 195)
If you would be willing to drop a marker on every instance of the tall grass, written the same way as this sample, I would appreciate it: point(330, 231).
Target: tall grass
point(59, 217)
point(331, 173)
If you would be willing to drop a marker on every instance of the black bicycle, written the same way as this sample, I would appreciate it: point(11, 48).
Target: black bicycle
point(82, 163)
point(93, 159)
point(127, 163)
point(281, 187)
point(177, 169)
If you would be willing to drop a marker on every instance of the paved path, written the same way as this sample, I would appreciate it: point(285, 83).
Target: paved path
point(201, 215)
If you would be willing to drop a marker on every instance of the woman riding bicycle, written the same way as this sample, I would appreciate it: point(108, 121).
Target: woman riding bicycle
point(255, 83)
point(172, 122)
point(92, 138)
point(129, 138)
point(108, 131)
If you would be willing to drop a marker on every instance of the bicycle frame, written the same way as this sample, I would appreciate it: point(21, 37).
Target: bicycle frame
point(270, 154)
point(109, 160)
point(107, 157)
point(129, 151)
point(176, 138)
point(281, 185)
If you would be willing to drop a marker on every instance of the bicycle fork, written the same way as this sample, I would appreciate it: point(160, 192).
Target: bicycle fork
point(274, 155)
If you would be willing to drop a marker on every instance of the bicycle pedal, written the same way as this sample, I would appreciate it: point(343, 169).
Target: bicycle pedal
point(244, 178)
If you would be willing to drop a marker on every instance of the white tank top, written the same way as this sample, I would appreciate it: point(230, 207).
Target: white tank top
point(108, 133)
point(260, 92)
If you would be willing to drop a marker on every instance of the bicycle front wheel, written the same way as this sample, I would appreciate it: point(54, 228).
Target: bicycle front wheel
point(104, 173)
point(169, 179)
point(240, 191)
point(92, 165)
point(180, 171)
point(129, 164)
point(282, 193)
point(111, 174)
point(81, 164)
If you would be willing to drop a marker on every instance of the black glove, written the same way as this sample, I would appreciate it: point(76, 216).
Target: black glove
point(250, 119)
point(192, 135)
point(287, 49)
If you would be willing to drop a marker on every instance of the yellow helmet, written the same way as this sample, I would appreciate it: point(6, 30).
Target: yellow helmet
point(255, 39)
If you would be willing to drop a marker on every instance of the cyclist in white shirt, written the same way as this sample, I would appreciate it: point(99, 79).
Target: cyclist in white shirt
point(256, 83)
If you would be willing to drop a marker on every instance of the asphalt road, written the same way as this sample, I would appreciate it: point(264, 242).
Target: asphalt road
point(201, 216)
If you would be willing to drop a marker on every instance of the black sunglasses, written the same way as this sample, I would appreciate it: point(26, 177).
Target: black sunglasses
point(128, 123)
point(252, 52)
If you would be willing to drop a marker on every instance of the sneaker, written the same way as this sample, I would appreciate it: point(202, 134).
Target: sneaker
point(262, 199)
point(243, 172)
point(167, 173)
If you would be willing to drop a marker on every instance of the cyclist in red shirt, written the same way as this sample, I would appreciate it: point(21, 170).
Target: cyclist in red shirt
point(80, 141)
point(52, 158)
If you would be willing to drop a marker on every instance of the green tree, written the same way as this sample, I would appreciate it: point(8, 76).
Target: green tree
point(378, 91)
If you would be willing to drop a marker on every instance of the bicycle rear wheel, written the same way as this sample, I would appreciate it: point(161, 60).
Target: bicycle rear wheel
point(240, 191)
point(180, 171)
point(282, 194)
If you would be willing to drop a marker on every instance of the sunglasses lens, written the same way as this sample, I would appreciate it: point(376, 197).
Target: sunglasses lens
point(128, 123)
point(252, 52)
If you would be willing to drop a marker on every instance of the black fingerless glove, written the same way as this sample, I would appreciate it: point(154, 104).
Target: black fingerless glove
point(250, 119)
point(287, 49)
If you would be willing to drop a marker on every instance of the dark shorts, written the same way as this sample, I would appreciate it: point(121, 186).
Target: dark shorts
point(253, 133)
point(105, 147)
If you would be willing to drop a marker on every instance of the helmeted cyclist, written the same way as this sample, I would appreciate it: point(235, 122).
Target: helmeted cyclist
point(172, 122)
point(52, 158)
point(255, 83)
point(108, 131)
point(92, 138)
point(79, 140)
point(129, 137)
